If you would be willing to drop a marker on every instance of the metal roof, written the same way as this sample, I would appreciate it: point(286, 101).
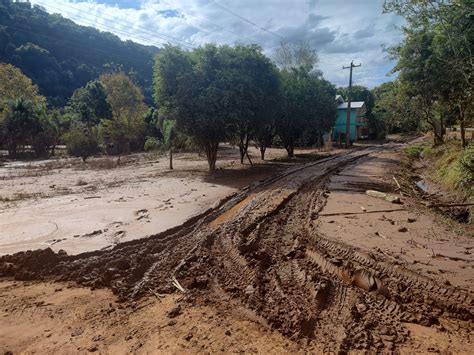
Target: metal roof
point(355, 104)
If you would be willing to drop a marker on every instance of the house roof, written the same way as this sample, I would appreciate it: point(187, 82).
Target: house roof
point(354, 104)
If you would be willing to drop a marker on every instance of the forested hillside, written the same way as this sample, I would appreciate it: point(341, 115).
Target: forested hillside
point(61, 56)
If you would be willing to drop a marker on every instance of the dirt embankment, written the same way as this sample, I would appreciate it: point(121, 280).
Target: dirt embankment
point(270, 251)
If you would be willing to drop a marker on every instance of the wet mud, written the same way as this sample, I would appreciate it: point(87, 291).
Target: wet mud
point(261, 247)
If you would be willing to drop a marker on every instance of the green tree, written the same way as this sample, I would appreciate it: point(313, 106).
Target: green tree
point(20, 125)
point(15, 85)
point(248, 83)
point(308, 107)
point(46, 134)
point(126, 129)
point(89, 104)
point(81, 141)
point(435, 60)
point(188, 90)
point(169, 136)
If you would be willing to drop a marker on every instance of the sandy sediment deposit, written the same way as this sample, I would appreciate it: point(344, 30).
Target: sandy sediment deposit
point(64, 204)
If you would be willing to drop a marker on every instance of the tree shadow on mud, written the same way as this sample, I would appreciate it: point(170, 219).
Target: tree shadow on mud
point(239, 176)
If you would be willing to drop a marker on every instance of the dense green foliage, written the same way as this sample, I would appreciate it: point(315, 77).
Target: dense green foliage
point(223, 93)
point(435, 65)
point(89, 104)
point(61, 56)
point(124, 130)
point(308, 107)
point(81, 142)
point(452, 167)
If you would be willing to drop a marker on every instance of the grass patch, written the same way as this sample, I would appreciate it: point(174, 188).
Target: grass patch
point(414, 151)
point(453, 166)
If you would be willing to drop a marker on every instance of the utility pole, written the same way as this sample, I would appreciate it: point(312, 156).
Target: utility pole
point(349, 98)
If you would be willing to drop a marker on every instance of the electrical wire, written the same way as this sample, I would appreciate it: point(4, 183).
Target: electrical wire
point(93, 23)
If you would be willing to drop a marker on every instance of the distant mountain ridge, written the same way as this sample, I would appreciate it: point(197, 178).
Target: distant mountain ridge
point(61, 56)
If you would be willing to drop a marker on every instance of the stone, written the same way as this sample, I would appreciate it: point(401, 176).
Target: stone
point(174, 312)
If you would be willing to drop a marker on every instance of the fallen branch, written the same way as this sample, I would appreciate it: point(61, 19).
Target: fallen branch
point(157, 295)
point(429, 204)
point(399, 187)
point(351, 213)
point(383, 196)
point(176, 284)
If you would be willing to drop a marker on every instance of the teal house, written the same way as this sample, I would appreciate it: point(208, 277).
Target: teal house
point(358, 128)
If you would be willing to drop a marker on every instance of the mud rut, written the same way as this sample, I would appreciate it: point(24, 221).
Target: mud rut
point(262, 248)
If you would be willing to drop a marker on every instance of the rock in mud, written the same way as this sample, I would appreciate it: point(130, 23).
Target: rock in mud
point(174, 312)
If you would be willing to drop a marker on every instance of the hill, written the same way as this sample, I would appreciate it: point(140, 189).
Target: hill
point(61, 56)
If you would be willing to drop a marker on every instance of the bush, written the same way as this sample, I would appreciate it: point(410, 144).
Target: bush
point(81, 142)
point(152, 144)
point(466, 165)
point(414, 151)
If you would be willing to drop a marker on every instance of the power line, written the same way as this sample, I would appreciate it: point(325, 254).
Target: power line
point(141, 29)
point(88, 22)
point(216, 25)
point(111, 29)
point(246, 20)
point(74, 44)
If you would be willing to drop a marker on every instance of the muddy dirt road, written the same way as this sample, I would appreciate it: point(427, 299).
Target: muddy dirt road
point(264, 250)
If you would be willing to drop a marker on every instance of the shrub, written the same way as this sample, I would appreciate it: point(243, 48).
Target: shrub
point(466, 165)
point(152, 144)
point(414, 151)
point(81, 142)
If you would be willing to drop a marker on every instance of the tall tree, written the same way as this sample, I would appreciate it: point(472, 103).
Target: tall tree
point(435, 60)
point(89, 104)
point(307, 100)
point(308, 106)
point(14, 85)
point(20, 125)
point(125, 130)
point(249, 82)
point(188, 89)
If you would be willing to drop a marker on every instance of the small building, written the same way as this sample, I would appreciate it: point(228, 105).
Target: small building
point(358, 127)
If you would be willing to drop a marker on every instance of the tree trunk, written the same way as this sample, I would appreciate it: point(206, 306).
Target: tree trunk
point(211, 154)
point(242, 152)
point(462, 125)
point(262, 152)
point(12, 148)
point(243, 148)
point(171, 158)
point(248, 157)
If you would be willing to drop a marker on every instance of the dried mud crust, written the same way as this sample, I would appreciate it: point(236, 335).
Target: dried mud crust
point(262, 248)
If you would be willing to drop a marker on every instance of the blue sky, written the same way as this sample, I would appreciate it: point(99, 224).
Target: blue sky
point(340, 30)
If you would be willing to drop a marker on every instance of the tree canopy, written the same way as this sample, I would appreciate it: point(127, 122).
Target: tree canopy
point(435, 60)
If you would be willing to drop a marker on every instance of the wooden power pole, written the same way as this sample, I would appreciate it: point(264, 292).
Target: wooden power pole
point(349, 98)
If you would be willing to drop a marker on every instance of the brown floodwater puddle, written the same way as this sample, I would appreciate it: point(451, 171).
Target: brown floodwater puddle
point(231, 212)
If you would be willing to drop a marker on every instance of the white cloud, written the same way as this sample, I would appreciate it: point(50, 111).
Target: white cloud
point(341, 30)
